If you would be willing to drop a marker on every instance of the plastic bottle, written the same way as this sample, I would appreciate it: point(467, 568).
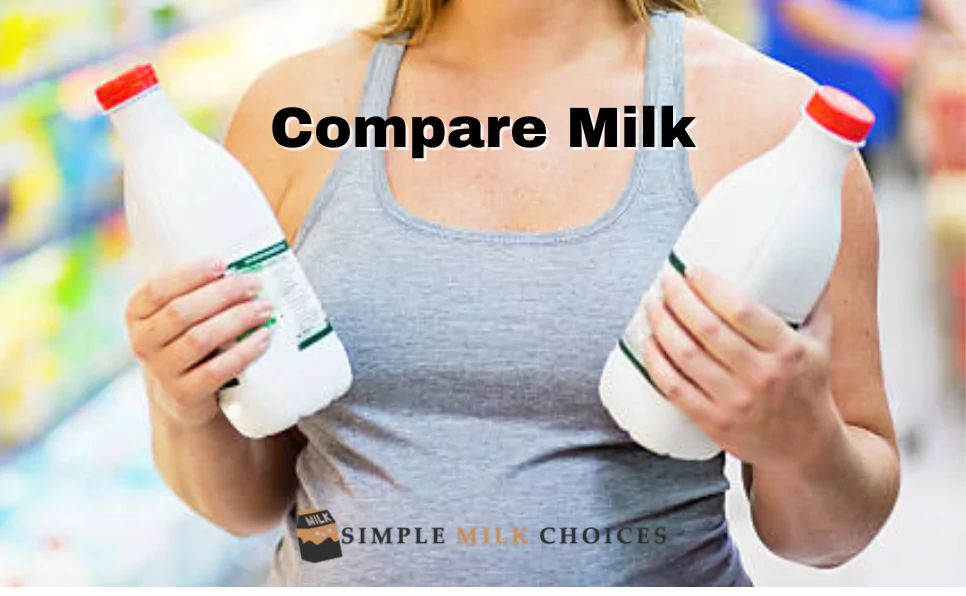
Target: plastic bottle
point(186, 198)
point(773, 229)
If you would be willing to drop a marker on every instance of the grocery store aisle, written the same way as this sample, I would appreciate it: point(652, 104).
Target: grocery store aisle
point(924, 542)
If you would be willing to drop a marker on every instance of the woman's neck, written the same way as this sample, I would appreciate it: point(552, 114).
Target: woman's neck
point(517, 35)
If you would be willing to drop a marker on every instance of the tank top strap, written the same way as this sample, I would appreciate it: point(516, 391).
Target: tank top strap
point(665, 60)
point(355, 165)
point(381, 77)
point(664, 82)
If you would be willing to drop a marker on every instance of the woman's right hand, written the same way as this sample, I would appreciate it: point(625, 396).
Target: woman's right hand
point(177, 321)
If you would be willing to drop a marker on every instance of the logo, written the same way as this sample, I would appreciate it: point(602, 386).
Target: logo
point(318, 536)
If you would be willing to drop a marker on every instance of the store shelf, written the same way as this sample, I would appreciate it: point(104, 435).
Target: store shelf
point(81, 223)
point(9, 452)
point(10, 90)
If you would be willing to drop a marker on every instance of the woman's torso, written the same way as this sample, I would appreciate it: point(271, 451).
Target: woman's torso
point(476, 358)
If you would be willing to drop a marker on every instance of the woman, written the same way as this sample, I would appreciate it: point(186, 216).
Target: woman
point(479, 293)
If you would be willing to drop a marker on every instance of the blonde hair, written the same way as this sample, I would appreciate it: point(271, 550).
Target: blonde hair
point(417, 16)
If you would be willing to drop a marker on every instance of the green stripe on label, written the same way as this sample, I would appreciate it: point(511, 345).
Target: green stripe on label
point(259, 257)
point(637, 364)
point(676, 262)
point(266, 325)
point(305, 343)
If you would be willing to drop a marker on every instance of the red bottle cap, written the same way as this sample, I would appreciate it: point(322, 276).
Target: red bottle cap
point(133, 82)
point(840, 113)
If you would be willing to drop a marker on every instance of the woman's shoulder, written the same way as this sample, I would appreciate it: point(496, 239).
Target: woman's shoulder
point(743, 101)
point(325, 81)
point(328, 78)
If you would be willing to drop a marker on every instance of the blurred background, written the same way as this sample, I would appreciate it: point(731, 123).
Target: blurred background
point(75, 466)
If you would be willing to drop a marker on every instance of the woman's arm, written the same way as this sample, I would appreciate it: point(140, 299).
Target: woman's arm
point(805, 411)
point(826, 510)
point(241, 485)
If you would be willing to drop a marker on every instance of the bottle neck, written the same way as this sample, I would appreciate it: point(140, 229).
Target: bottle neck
point(145, 116)
point(820, 149)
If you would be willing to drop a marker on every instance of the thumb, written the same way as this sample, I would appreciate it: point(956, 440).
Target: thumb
point(819, 322)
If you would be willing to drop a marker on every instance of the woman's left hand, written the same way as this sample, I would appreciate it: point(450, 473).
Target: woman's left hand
point(757, 387)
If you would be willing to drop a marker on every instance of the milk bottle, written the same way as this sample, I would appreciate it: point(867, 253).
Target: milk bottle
point(186, 198)
point(773, 229)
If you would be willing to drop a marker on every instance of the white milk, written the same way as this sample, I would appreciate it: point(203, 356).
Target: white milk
point(186, 198)
point(773, 229)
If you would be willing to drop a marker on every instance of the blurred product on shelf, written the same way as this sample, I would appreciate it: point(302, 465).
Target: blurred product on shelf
point(947, 205)
point(55, 305)
point(10, 164)
point(43, 37)
point(862, 47)
point(941, 103)
point(938, 131)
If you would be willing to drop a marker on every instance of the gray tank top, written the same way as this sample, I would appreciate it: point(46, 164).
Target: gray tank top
point(476, 358)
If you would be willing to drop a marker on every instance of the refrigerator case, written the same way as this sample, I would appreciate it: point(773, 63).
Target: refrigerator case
point(85, 506)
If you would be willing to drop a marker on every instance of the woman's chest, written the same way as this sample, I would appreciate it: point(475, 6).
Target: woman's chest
point(512, 189)
point(505, 185)
point(437, 320)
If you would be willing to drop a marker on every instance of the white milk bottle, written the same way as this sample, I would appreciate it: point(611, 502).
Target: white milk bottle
point(773, 229)
point(186, 198)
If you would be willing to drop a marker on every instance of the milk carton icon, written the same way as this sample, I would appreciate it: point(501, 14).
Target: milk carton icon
point(318, 536)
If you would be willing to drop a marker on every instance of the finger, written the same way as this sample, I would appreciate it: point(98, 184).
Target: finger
point(157, 291)
point(212, 374)
point(819, 323)
point(685, 353)
point(200, 341)
point(186, 311)
point(702, 323)
point(676, 387)
point(757, 324)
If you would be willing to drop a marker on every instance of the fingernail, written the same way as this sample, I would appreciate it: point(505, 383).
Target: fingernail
point(253, 285)
point(264, 308)
point(216, 266)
